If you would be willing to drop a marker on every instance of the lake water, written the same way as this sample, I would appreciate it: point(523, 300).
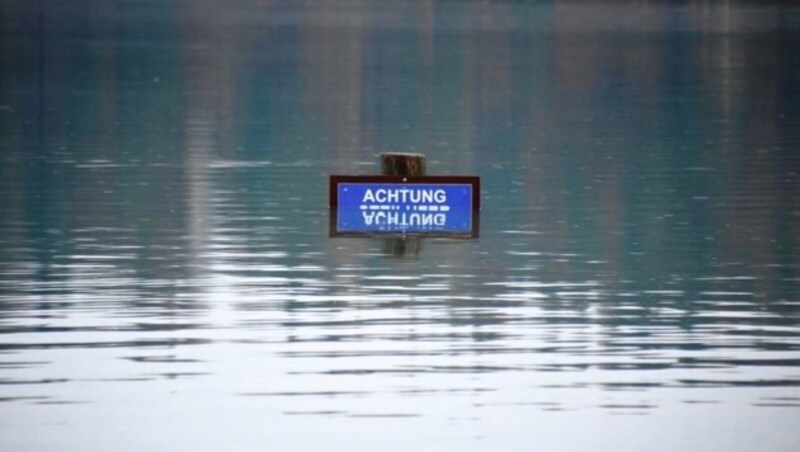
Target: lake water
point(167, 279)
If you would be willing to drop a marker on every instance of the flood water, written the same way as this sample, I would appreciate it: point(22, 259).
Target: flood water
point(167, 279)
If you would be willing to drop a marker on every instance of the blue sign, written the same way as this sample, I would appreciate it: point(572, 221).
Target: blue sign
point(423, 205)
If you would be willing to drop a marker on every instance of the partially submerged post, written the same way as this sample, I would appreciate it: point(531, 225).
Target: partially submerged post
point(402, 164)
point(405, 165)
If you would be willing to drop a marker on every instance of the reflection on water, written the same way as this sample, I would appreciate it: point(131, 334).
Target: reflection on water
point(166, 273)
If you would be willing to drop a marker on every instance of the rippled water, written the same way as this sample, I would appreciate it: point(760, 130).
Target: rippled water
point(167, 281)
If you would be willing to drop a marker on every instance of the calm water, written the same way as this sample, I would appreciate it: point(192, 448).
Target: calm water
point(167, 281)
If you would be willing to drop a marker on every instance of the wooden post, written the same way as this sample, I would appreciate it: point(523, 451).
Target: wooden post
point(406, 165)
point(402, 164)
point(402, 246)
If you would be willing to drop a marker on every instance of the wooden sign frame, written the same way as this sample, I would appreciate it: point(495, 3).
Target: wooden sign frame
point(333, 202)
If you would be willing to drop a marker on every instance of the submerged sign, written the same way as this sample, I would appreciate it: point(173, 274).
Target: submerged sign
point(443, 205)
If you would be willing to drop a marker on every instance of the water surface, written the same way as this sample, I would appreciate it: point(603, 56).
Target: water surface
point(167, 281)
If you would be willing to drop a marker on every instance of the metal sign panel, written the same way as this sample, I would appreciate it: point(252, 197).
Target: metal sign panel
point(429, 205)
